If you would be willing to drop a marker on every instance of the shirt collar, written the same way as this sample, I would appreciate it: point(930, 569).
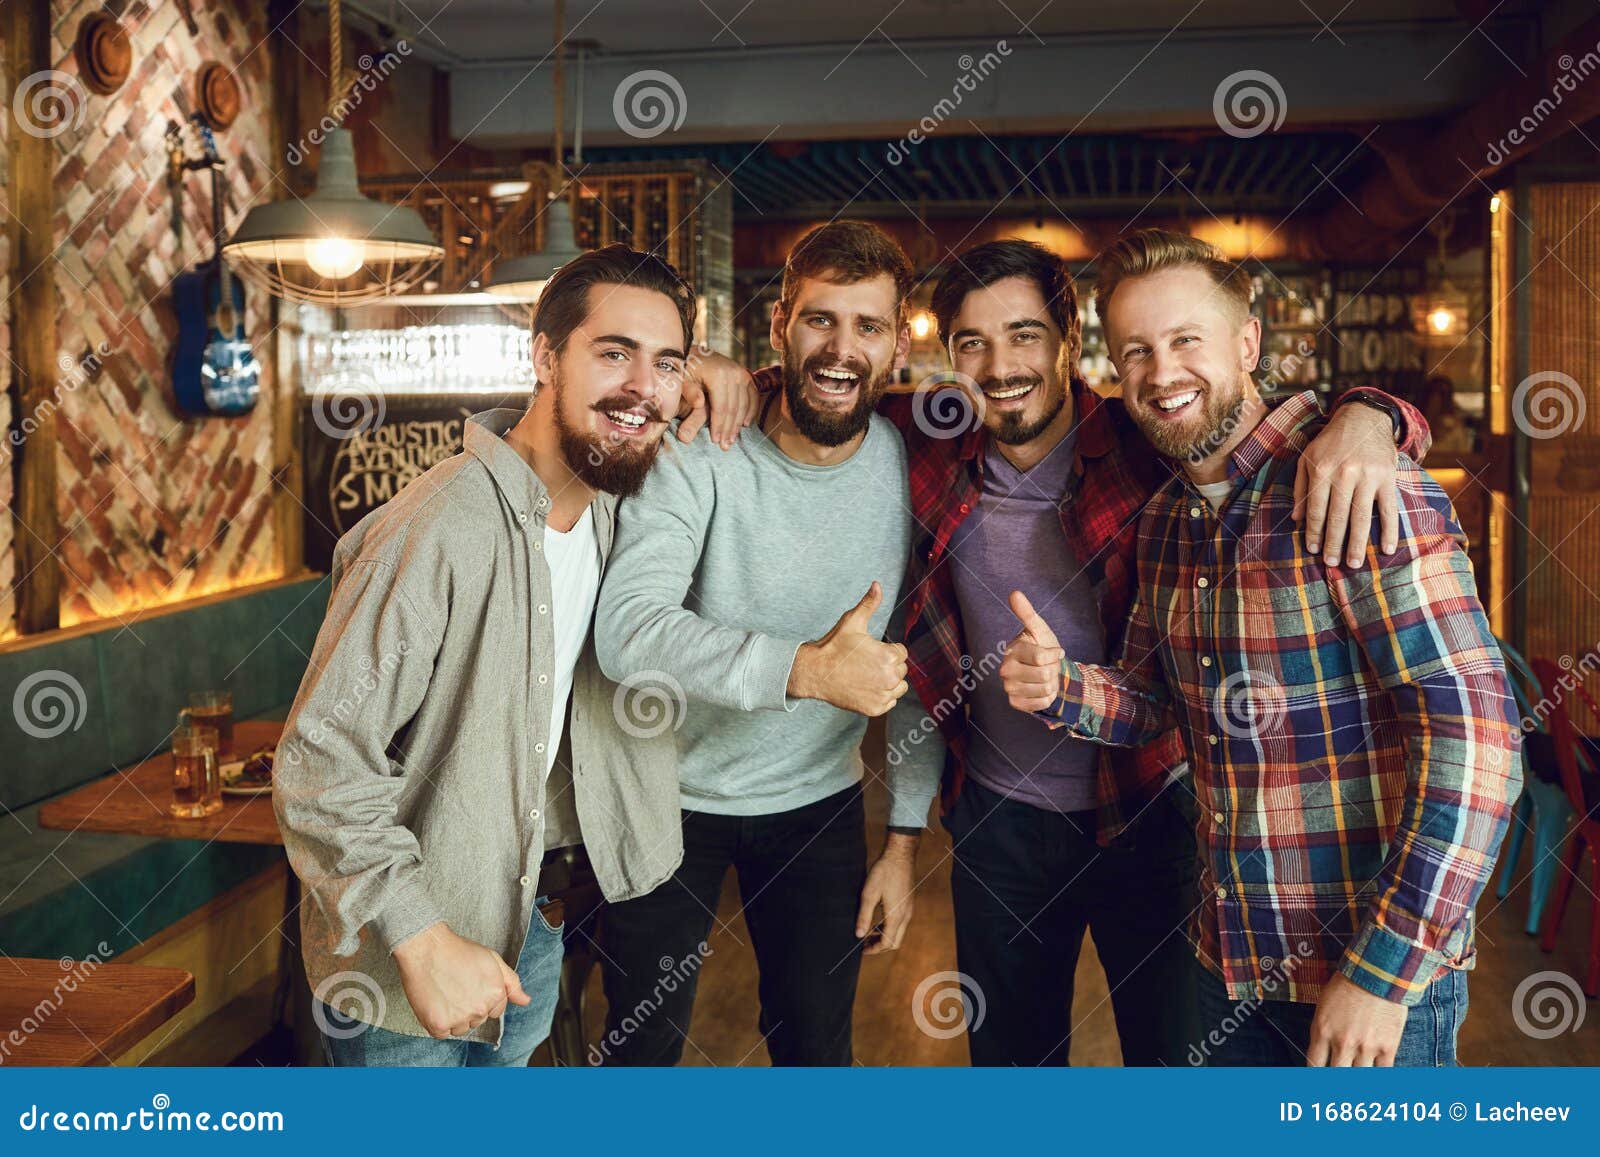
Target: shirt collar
point(1279, 430)
point(523, 489)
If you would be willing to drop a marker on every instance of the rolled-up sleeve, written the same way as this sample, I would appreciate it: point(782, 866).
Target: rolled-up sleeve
point(336, 791)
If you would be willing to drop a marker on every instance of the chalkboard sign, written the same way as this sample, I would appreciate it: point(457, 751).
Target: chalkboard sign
point(1376, 342)
point(359, 450)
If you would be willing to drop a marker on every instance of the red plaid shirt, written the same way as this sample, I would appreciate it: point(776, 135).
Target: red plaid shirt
point(1114, 473)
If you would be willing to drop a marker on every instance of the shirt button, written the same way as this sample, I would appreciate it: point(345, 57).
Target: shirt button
point(1202, 582)
point(1211, 739)
point(522, 516)
point(965, 509)
point(544, 678)
point(538, 546)
point(1217, 816)
point(543, 610)
point(543, 502)
point(538, 747)
point(1222, 893)
point(1194, 512)
point(534, 814)
point(1205, 660)
point(525, 881)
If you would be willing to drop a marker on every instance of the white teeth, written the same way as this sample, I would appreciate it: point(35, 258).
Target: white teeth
point(840, 375)
point(1002, 395)
point(1177, 401)
point(626, 418)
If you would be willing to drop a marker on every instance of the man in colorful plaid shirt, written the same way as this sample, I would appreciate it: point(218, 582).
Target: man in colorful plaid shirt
point(1025, 479)
point(1352, 734)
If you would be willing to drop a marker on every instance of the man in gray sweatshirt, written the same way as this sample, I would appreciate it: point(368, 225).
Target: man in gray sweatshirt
point(751, 591)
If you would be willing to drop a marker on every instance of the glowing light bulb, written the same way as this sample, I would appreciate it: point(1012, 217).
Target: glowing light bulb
point(921, 325)
point(1441, 320)
point(1494, 203)
point(333, 257)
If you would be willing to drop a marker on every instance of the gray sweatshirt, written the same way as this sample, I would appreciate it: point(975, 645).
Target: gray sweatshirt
point(723, 565)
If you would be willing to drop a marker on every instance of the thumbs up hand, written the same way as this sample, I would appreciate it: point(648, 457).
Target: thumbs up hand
point(1031, 673)
point(849, 668)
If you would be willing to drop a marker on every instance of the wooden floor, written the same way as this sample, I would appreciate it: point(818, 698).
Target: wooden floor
point(723, 1031)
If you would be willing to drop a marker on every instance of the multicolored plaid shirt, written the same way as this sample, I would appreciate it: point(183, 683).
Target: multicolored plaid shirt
point(1352, 733)
point(1114, 472)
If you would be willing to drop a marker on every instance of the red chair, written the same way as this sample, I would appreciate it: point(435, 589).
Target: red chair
point(1585, 833)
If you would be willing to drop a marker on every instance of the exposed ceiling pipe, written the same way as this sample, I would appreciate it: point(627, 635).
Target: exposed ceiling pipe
point(1426, 168)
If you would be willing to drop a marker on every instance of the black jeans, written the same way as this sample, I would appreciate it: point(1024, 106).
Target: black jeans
point(800, 878)
point(1028, 882)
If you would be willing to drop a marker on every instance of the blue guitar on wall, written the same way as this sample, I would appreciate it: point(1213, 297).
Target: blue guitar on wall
point(214, 370)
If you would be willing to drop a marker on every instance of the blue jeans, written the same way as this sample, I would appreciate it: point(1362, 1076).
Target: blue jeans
point(351, 1043)
point(1278, 1032)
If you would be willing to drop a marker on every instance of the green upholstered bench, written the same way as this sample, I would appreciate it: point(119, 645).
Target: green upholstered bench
point(77, 705)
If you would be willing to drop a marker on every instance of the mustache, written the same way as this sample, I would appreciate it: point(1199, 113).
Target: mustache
point(646, 406)
point(823, 362)
point(1009, 382)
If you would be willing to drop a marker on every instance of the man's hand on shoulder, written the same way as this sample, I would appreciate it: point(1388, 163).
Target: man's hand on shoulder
point(718, 390)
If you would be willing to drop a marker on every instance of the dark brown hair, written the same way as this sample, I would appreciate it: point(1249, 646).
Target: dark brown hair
point(843, 253)
point(997, 260)
point(1152, 250)
point(564, 303)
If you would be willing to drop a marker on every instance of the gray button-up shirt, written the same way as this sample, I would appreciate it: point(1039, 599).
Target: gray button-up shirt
point(410, 781)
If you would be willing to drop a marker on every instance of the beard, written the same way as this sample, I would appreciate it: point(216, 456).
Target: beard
point(826, 427)
point(1196, 439)
point(1014, 427)
point(610, 464)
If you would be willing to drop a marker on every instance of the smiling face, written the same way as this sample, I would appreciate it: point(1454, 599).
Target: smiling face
point(1002, 337)
point(616, 381)
point(841, 345)
point(1184, 352)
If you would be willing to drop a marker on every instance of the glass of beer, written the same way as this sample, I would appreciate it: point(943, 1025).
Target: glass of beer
point(196, 780)
point(213, 709)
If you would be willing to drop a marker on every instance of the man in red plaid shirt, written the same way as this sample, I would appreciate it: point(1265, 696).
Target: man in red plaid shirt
point(1352, 735)
point(1025, 479)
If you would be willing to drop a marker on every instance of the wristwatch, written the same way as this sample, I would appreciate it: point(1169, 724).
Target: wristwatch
point(1384, 403)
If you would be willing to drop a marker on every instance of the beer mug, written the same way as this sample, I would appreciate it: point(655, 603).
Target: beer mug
point(196, 779)
point(213, 709)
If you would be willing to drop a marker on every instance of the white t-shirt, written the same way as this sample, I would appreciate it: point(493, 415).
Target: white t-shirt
point(574, 562)
point(1215, 493)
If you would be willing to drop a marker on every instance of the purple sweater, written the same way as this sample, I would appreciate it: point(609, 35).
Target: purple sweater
point(1012, 541)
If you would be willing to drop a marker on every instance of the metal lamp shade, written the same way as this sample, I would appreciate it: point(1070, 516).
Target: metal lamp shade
point(275, 244)
point(524, 277)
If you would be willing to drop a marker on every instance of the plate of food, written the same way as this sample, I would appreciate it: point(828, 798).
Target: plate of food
point(249, 776)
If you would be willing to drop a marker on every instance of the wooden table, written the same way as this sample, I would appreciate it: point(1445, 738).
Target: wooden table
point(133, 801)
point(112, 1008)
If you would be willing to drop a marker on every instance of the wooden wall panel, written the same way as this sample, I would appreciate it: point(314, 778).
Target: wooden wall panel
point(1564, 338)
point(8, 573)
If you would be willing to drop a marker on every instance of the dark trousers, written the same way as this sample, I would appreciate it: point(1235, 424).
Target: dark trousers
point(800, 878)
point(1028, 882)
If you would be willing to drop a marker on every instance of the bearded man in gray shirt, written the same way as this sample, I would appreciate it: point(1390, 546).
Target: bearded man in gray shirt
point(725, 593)
point(418, 783)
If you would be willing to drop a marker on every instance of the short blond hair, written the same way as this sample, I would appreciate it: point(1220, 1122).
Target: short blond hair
point(1152, 250)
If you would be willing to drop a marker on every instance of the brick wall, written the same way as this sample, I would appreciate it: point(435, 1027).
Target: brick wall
point(154, 508)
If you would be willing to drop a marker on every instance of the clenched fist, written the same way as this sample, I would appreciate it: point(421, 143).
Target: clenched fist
point(848, 667)
point(1031, 674)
